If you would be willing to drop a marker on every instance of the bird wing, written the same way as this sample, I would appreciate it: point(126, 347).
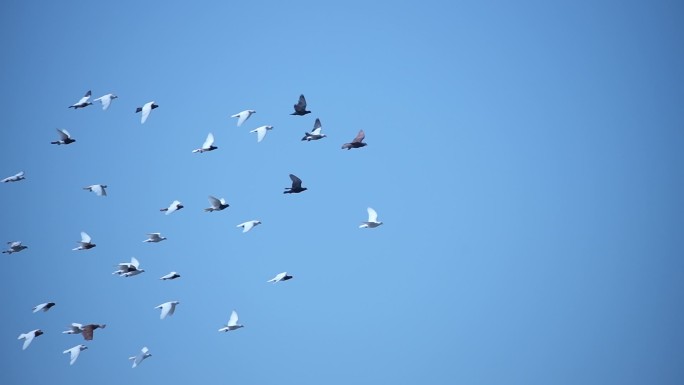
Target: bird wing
point(359, 137)
point(372, 215)
point(147, 108)
point(296, 182)
point(246, 226)
point(261, 133)
point(233, 319)
point(63, 134)
point(215, 202)
point(301, 104)
point(316, 131)
point(242, 116)
point(155, 236)
point(135, 263)
point(85, 238)
point(173, 207)
point(209, 141)
point(75, 351)
point(28, 338)
point(19, 174)
point(88, 332)
point(98, 190)
point(165, 310)
point(105, 100)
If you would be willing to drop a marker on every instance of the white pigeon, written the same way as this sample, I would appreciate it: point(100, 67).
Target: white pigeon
point(315, 134)
point(261, 132)
point(85, 243)
point(106, 100)
point(243, 116)
point(83, 102)
point(372, 220)
point(146, 109)
point(246, 226)
point(74, 328)
point(280, 277)
point(64, 137)
point(129, 269)
point(216, 204)
point(154, 237)
point(14, 178)
point(28, 337)
point(75, 352)
point(43, 307)
point(167, 308)
point(207, 146)
point(232, 323)
point(14, 247)
point(171, 275)
point(174, 206)
point(98, 189)
point(144, 353)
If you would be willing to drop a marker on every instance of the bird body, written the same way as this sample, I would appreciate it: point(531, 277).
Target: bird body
point(171, 275)
point(154, 238)
point(87, 330)
point(64, 137)
point(174, 206)
point(14, 178)
point(43, 307)
point(280, 277)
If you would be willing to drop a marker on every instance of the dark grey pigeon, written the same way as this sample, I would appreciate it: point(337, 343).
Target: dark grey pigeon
point(64, 137)
point(300, 107)
point(296, 186)
point(357, 142)
point(83, 102)
point(315, 134)
point(88, 330)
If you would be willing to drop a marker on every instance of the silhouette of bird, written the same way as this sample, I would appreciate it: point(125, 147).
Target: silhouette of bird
point(243, 116)
point(357, 142)
point(174, 206)
point(106, 100)
point(144, 353)
point(14, 178)
point(64, 137)
point(216, 204)
point(28, 337)
point(146, 109)
point(75, 352)
point(14, 247)
point(296, 186)
point(232, 323)
point(208, 145)
point(300, 107)
point(85, 243)
point(280, 277)
point(43, 307)
point(315, 134)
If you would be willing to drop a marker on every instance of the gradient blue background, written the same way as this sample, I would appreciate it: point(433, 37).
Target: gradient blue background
point(526, 158)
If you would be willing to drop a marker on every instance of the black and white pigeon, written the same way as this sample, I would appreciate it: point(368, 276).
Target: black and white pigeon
point(106, 100)
point(208, 145)
point(315, 134)
point(83, 102)
point(28, 337)
point(154, 238)
point(243, 116)
point(64, 137)
point(280, 277)
point(146, 109)
point(14, 247)
point(296, 186)
point(129, 269)
point(44, 307)
point(300, 107)
point(174, 206)
point(86, 242)
point(14, 178)
point(357, 142)
point(216, 204)
point(98, 189)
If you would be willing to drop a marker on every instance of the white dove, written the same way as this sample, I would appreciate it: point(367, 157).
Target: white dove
point(106, 100)
point(167, 308)
point(243, 116)
point(232, 323)
point(75, 352)
point(146, 109)
point(28, 337)
point(216, 204)
point(14, 178)
point(372, 220)
point(14, 247)
point(85, 243)
point(144, 353)
point(280, 277)
point(129, 269)
point(171, 275)
point(154, 237)
point(174, 206)
point(261, 132)
point(207, 146)
point(246, 226)
point(98, 189)
point(43, 306)
point(74, 328)
point(83, 102)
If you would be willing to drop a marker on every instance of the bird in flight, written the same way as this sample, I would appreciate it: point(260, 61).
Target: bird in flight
point(83, 102)
point(357, 142)
point(296, 186)
point(300, 107)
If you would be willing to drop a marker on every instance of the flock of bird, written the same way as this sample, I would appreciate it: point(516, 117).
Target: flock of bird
point(132, 268)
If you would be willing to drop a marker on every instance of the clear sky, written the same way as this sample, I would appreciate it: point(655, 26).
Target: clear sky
point(525, 157)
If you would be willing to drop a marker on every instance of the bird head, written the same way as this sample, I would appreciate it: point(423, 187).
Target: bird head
point(154, 105)
point(38, 332)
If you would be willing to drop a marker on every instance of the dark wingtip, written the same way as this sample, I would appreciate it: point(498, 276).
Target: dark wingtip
point(138, 109)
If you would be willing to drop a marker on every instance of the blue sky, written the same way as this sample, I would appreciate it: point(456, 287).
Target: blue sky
point(525, 159)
